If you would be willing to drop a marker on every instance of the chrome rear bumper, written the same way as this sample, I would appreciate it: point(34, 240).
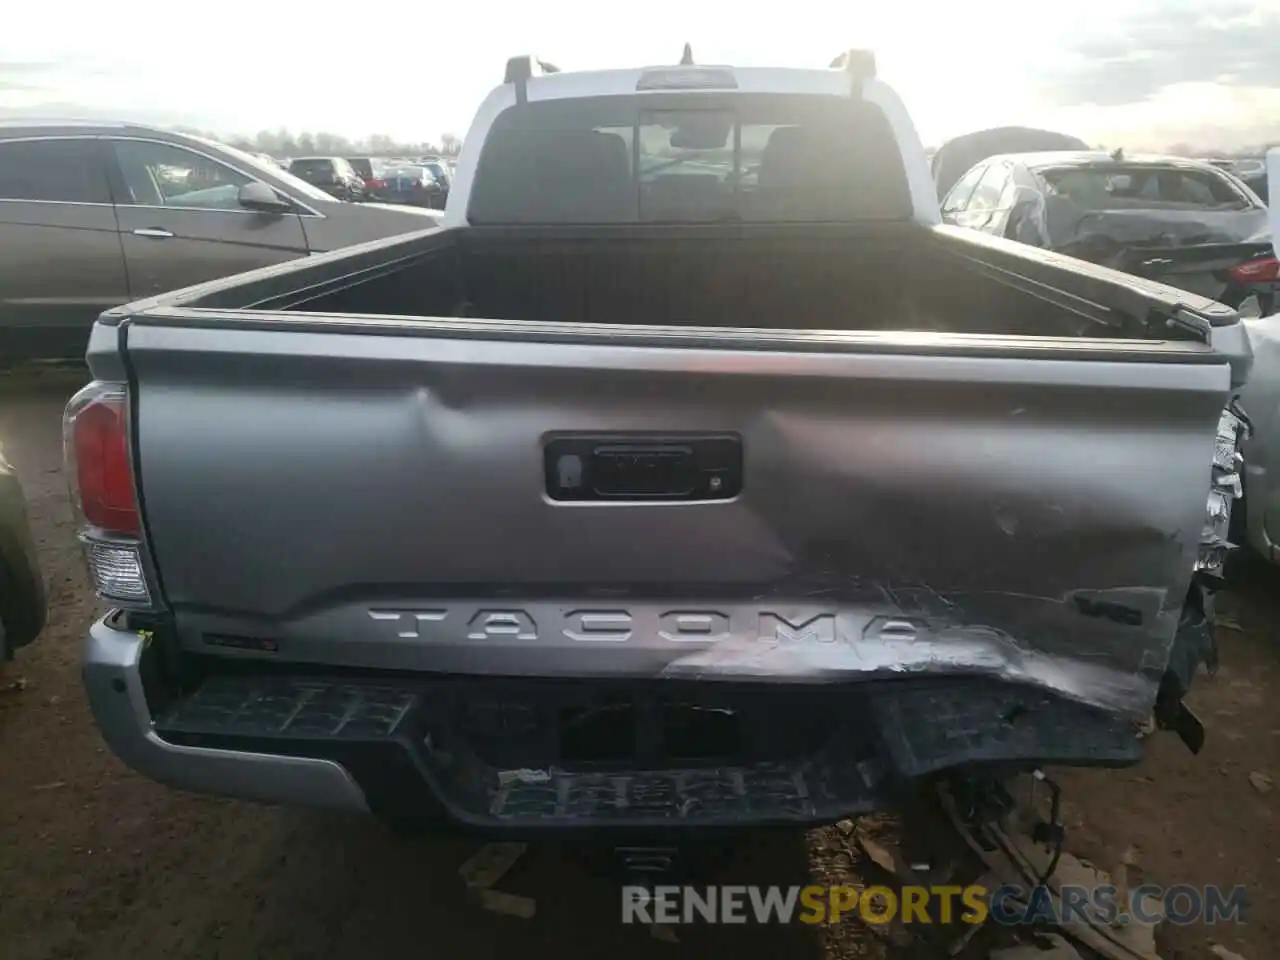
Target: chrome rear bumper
point(113, 681)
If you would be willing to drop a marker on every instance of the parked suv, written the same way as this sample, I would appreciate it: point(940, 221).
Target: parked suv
point(95, 215)
point(368, 169)
point(334, 175)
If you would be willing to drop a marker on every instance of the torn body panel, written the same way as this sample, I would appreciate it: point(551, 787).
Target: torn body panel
point(1227, 486)
point(1036, 643)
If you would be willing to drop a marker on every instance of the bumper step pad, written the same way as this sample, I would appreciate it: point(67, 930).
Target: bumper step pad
point(927, 727)
point(401, 743)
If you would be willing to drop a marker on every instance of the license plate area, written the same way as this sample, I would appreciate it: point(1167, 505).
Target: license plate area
point(632, 467)
point(636, 726)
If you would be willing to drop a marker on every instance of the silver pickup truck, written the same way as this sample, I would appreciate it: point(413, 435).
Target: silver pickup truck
point(691, 474)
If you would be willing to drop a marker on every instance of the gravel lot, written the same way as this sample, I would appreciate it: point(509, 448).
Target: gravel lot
point(97, 862)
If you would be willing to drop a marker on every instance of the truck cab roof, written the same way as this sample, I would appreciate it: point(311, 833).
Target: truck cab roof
point(531, 82)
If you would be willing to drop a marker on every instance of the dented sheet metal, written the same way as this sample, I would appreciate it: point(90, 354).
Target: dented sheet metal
point(1158, 239)
point(1104, 647)
point(1188, 249)
point(1015, 514)
point(980, 635)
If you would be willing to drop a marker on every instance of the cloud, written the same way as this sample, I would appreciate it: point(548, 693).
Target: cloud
point(25, 67)
point(23, 76)
point(1232, 43)
point(1201, 116)
point(1173, 71)
point(34, 82)
point(1150, 72)
point(71, 110)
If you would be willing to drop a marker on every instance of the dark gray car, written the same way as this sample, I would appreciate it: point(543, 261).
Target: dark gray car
point(1182, 222)
point(95, 215)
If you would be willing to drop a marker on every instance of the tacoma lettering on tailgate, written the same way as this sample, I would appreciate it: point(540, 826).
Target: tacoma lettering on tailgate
point(619, 626)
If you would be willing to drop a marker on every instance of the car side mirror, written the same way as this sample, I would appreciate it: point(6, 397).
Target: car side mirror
point(255, 195)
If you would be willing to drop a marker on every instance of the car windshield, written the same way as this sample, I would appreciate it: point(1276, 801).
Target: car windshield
point(1132, 186)
point(312, 168)
point(270, 173)
point(436, 169)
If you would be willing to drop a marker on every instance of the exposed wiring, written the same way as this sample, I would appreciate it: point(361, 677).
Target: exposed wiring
point(1020, 861)
point(1052, 833)
point(1097, 936)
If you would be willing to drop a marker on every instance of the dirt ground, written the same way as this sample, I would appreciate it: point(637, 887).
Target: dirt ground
point(97, 862)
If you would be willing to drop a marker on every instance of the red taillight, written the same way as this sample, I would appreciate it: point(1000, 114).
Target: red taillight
point(1263, 270)
point(99, 446)
point(375, 183)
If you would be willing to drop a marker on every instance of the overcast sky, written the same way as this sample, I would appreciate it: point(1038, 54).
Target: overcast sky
point(1123, 72)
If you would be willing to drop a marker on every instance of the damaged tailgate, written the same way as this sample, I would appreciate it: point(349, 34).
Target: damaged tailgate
point(492, 499)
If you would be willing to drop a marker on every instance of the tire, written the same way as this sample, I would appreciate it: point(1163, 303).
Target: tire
point(22, 611)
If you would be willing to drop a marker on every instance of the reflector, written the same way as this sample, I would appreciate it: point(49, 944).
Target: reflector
point(117, 572)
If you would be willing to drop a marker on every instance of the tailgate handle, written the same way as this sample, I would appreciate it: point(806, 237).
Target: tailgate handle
point(647, 471)
point(642, 468)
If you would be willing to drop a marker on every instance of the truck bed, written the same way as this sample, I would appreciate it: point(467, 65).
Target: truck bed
point(865, 277)
point(950, 504)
